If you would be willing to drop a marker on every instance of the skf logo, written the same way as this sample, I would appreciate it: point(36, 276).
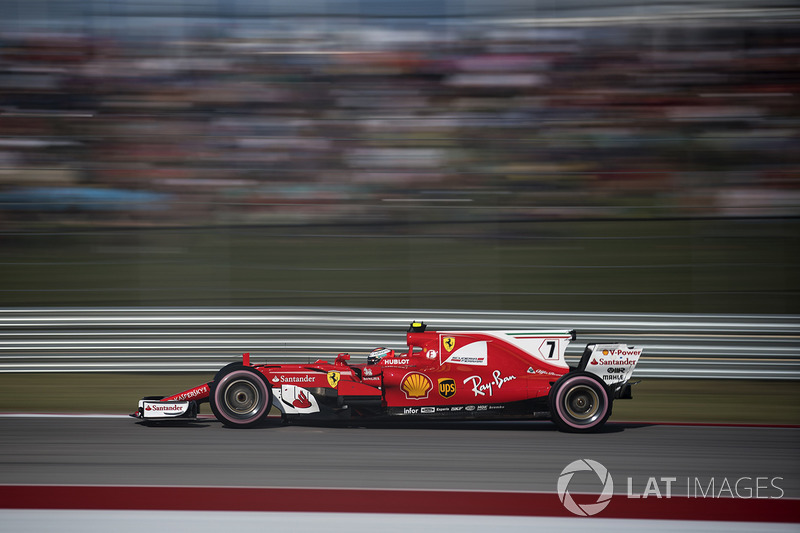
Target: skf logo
point(333, 378)
point(449, 343)
point(447, 387)
point(416, 386)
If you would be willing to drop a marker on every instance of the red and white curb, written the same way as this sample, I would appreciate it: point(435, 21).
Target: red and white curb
point(332, 500)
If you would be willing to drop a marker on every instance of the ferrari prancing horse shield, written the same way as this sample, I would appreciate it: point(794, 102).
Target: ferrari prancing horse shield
point(448, 343)
point(333, 378)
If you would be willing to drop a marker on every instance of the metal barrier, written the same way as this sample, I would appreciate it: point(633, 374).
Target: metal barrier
point(204, 339)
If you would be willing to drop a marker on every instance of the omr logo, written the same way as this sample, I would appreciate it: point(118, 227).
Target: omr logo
point(603, 499)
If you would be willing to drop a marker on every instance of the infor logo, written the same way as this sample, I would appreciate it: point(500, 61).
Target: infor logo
point(587, 509)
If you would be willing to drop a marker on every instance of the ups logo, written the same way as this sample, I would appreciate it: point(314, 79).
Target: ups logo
point(447, 387)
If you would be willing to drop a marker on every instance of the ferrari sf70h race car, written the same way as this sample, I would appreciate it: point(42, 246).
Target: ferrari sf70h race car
point(516, 374)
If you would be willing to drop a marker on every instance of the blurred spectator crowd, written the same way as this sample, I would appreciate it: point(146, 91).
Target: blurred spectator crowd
point(328, 123)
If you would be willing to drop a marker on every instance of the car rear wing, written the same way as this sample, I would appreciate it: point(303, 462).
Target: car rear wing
point(613, 364)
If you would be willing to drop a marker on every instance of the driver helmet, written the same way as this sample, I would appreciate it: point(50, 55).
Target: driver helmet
point(377, 354)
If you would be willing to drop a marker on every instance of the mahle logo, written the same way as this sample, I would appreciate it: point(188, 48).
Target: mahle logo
point(603, 499)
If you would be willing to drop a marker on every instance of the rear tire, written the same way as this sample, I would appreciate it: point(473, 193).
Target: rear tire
point(579, 402)
point(240, 397)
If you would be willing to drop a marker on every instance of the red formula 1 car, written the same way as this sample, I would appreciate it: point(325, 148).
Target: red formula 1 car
point(445, 374)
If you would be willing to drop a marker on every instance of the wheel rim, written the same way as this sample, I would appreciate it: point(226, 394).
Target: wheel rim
point(241, 397)
point(582, 403)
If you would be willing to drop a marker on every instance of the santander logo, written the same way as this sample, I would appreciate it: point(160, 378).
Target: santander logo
point(618, 362)
point(167, 407)
point(302, 401)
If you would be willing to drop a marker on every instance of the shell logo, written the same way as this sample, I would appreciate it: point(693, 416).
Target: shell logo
point(605, 352)
point(416, 386)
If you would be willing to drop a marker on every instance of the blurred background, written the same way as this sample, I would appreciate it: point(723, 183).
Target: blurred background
point(446, 154)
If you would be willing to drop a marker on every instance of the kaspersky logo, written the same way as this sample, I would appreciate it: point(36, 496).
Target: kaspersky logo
point(604, 480)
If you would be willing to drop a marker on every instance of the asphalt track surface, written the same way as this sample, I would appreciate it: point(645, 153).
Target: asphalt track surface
point(482, 456)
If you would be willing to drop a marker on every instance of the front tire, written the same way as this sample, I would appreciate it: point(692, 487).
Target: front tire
point(240, 397)
point(579, 402)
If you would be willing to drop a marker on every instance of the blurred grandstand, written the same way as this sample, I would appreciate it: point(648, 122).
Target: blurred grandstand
point(246, 112)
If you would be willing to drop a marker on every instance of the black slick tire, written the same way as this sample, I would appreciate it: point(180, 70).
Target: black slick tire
point(579, 402)
point(240, 397)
